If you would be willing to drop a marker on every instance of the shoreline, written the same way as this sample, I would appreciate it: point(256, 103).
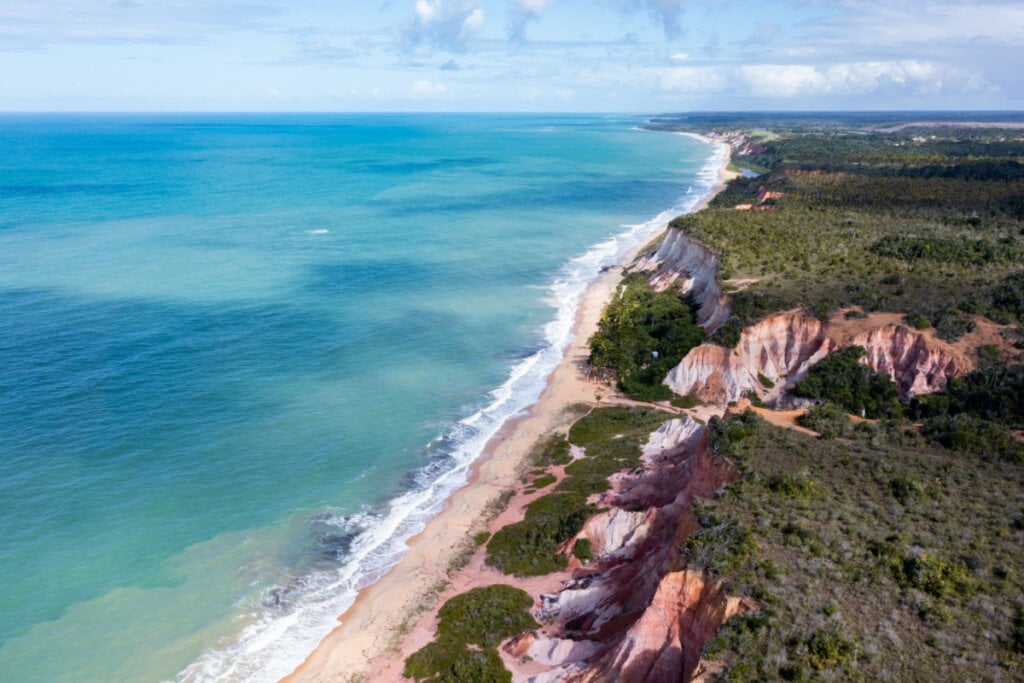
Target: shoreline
point(370, 630)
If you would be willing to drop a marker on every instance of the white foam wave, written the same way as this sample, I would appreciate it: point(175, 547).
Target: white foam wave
point(277, 640)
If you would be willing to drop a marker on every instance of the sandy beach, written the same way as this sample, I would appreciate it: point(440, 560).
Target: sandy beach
point(395, 614)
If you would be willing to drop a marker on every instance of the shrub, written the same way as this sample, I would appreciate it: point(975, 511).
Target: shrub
point(1016, 639)
point(827, 649)
point(918, 321)
point(530, 547)
point(973, 435)
point(800, 486)
point(731, 438)
point(905, 490)
point(841, 378)
point(449, 662)
point(828, 419)
point(542, 481)
point(486, 616)
point(553, 451)
point(685, 402)
point(582, 550)
point(720, 546)
point(481, 617)
point(936, 577)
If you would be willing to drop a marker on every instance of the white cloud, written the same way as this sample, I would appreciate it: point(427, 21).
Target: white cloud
point(692, 79)
point(474, 22)
point(521, 13)
point(30, 23)
point(443, 25)
point(423, 89)
point(679, 57)
point(857, 78)
point(667, 13)
point(428, 12)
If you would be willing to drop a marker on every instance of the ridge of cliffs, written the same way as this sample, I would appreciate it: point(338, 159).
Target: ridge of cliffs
point(679, 258)
point(635, 613)
point(783, 347)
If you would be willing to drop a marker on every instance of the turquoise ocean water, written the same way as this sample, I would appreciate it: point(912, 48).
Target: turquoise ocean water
point(243, 358)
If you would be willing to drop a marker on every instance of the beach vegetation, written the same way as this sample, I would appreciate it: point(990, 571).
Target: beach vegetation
point(551, 451)
point(470, 627)
point(611, 439)
point(642, 335)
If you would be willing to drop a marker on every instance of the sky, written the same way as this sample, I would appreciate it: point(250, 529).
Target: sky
point(637, 56)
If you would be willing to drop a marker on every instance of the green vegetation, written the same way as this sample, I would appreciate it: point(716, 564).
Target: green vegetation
point(553, 451)
point(975, 436)
point(975, 413)
point(881, 558)
point(828, 419)
point(932, 224)
point(684, 402)
point(612, 438)
point(995, 394)
point(720, 546)
point(841, 378)
point(729, 438)
point(641, 336)
point(542, 481)
point(581, 549)
point(891, 553)
point(471, 627)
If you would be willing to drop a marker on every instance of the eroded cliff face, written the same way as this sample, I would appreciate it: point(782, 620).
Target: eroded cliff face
point(682, 261)
point(609, 621)
point(783, 347)
point(665, 642)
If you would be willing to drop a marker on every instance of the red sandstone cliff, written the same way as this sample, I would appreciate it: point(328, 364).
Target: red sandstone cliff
point(782, 348)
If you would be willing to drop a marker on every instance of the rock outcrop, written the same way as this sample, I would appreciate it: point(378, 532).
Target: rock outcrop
point(783, 347)
point(608, 622)
point(684, 262)
point(664, 644)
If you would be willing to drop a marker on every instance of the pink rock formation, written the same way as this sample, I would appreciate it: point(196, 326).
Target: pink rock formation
point(782, 348)
point(664, 644)
point(604, 612)
point(681, 259)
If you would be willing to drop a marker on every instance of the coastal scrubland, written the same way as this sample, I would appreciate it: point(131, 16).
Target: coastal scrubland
point(887, 549)
point(885, 545)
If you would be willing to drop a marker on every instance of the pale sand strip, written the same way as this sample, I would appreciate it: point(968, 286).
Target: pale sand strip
point(364, 644)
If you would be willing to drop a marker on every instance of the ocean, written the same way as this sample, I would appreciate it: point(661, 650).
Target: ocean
point(244, 357)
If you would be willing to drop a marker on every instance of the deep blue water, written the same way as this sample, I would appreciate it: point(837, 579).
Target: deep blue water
point(243, 357)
